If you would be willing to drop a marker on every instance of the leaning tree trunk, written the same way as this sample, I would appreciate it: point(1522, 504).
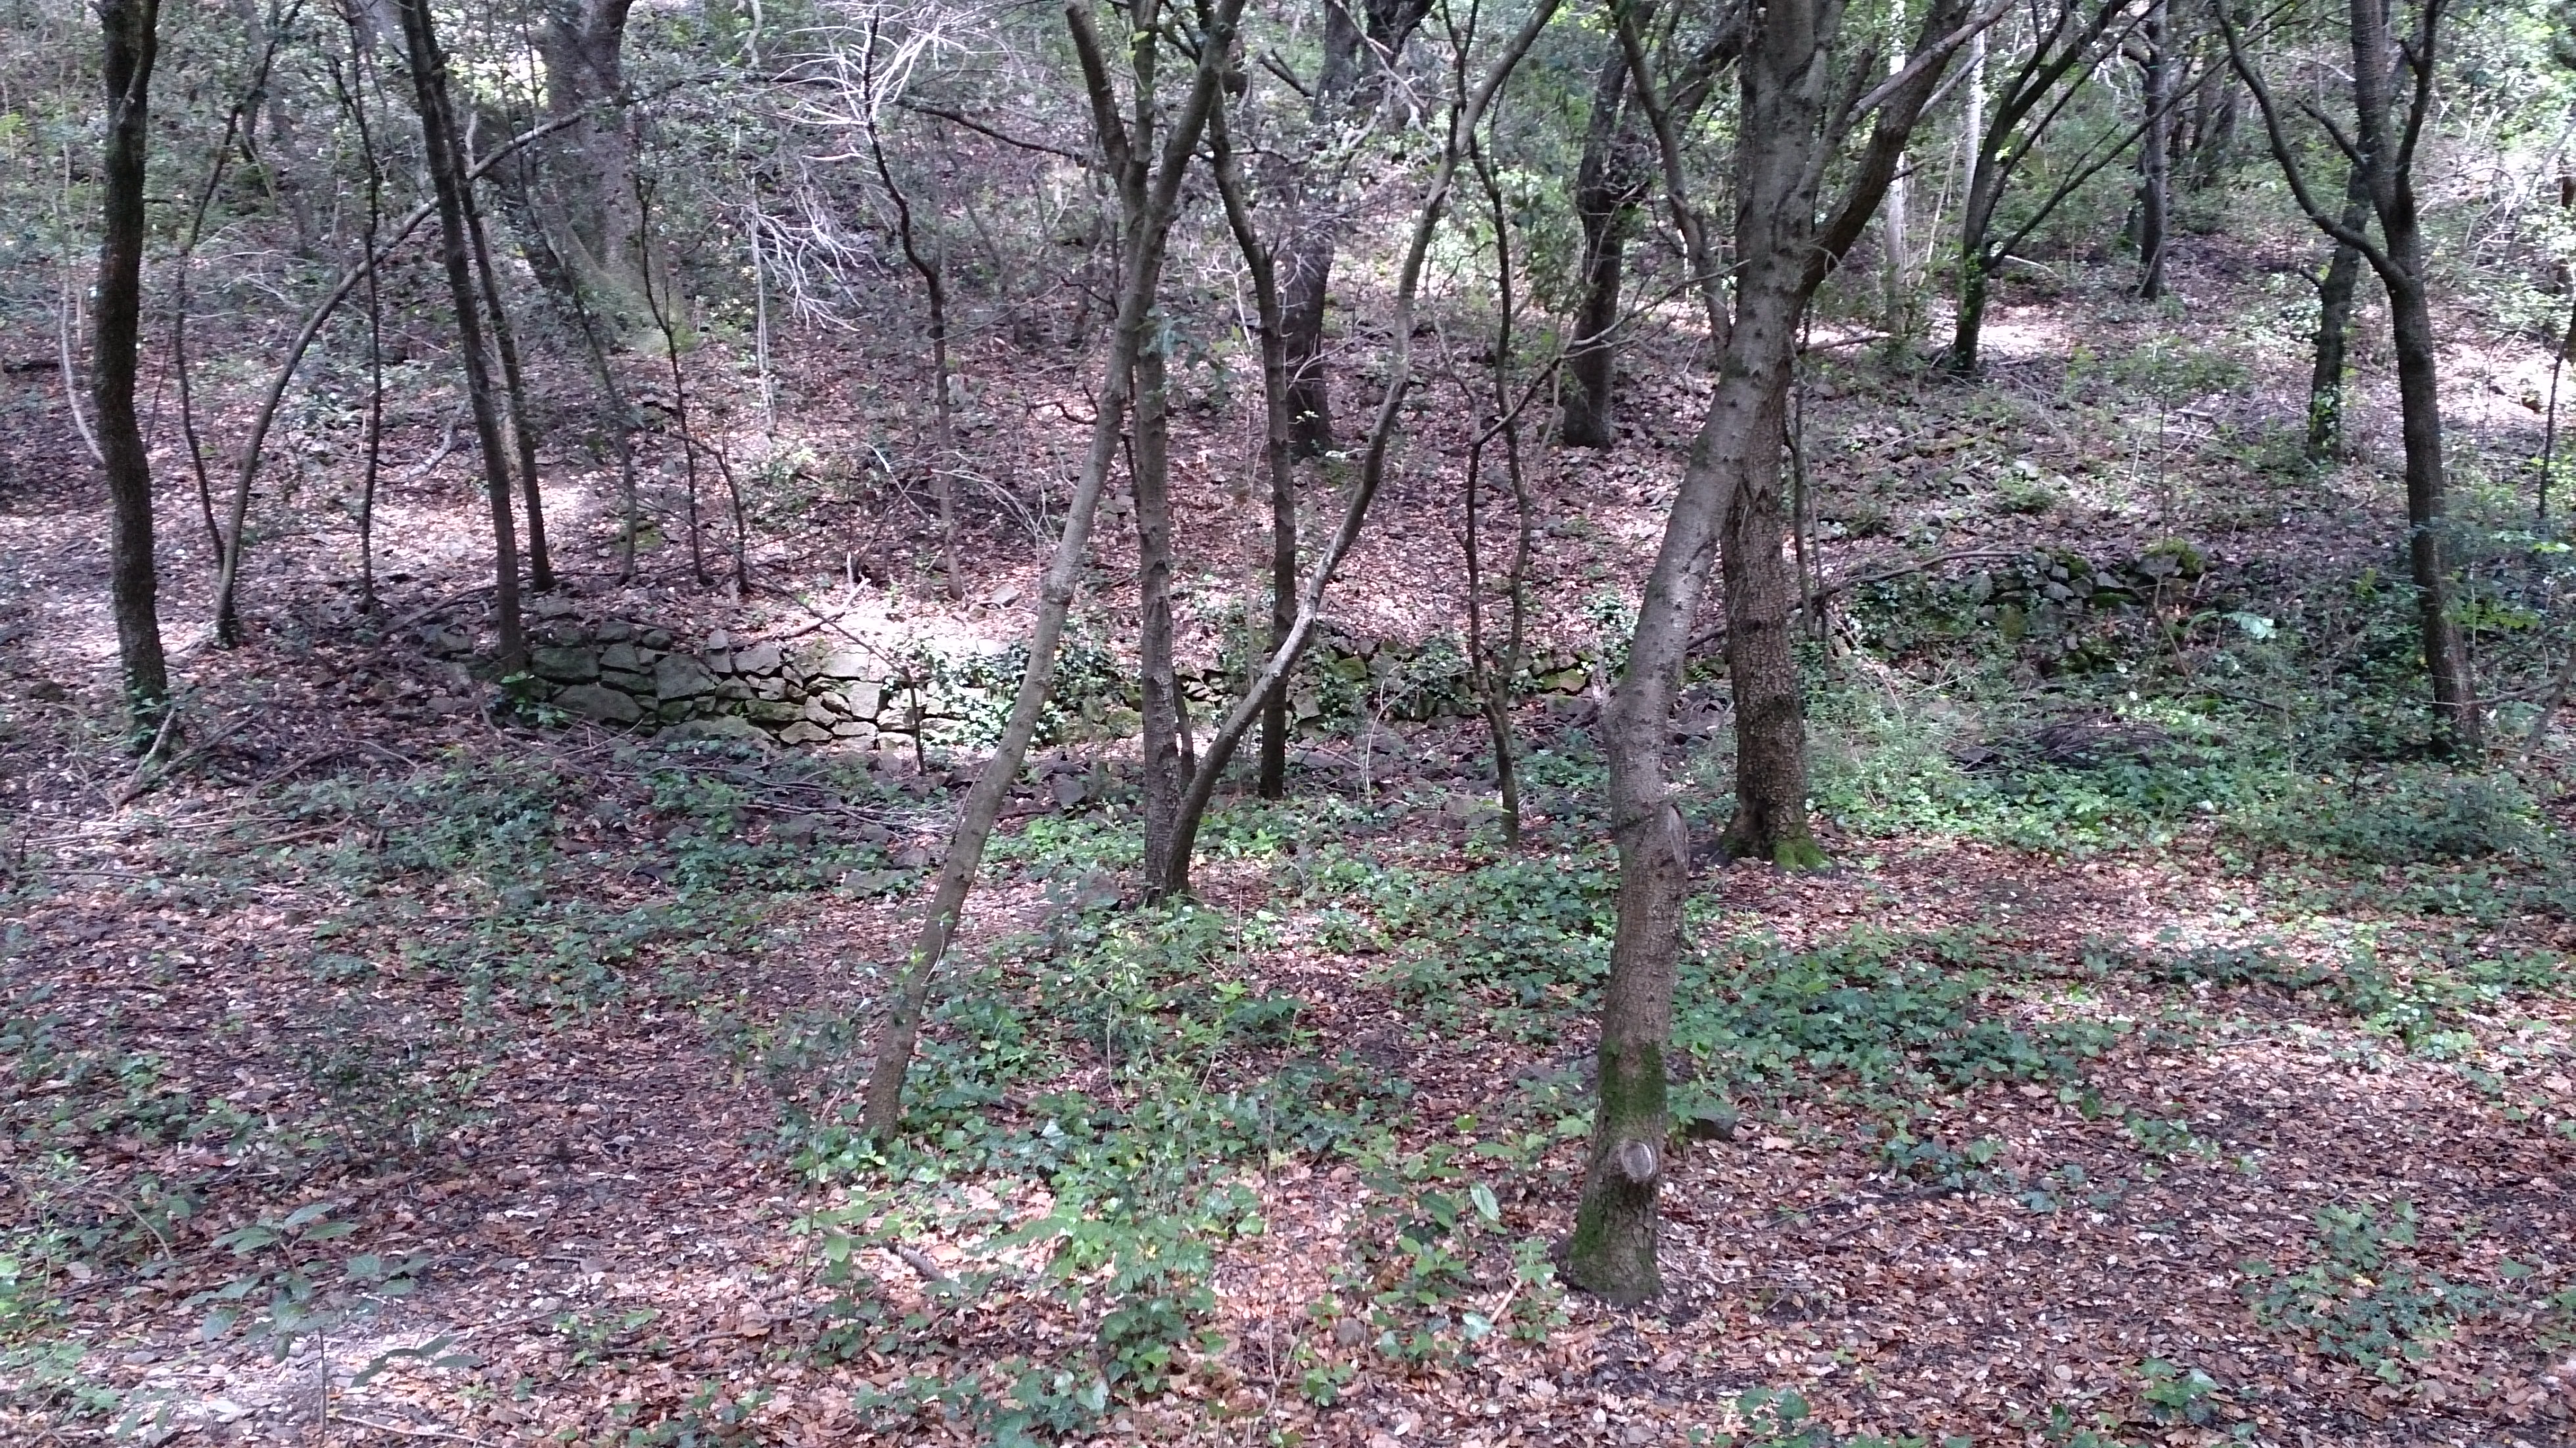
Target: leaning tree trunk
point(129, 33)
point(1150, 188)
point(1278, 448)
point(448, 180)
point(2334, 329)
point(1787, 134)
point(1604, 198)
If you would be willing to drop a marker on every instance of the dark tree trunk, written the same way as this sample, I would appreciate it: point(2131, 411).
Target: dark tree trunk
point(1357, 50)
point(2334, 326)
point(1762, 596)
point(2155, 157)
point(2419, 404)
point(448, 180)
point(129, 32)
point(1159, 694)
point(1306, 264)
point(1606, 192)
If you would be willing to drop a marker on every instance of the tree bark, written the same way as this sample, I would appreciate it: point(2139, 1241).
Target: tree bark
point(1159, 692)
point(1464, 116)
point(1357, 50)
point(129, 34)
point(2155, 188)
point(1606, 192)
point(592, 173)
point(447, 173)
point(1278, 448)
point(2334, 327)
point(523, 428)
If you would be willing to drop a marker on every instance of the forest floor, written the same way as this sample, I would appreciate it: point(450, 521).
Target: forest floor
point(2174, 1054)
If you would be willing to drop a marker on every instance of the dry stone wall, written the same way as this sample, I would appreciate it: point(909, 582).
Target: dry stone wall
point(808, 692)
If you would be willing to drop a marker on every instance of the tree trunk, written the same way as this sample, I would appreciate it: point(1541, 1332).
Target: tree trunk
point(1150, 193)
point(1605, 195)
point(592, 172)
point(129, 32)
point(1277, 447)
point(1158, 688)
point(523, 428)
point(2155, 189)
point(447, 174)
point(1762, 597)
point(1783, 253)
point(2427, 546)
point(2334, 325)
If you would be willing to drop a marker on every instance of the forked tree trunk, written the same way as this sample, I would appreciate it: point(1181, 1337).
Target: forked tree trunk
point(129, 33)
point(448, 178)
point(2384, 138)
point(1465, 114)
point(2334, 330)
point(1152, 200)
point(523, 428)
point(1791, 125)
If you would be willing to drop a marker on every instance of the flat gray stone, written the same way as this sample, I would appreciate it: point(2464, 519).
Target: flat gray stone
point(801, 732)
point(679, 676)
point(722, 726)
point(845, 664)
point(608, 706)
point(621, 656)
point(565, 665)
point(624, 682)
point(756, 659)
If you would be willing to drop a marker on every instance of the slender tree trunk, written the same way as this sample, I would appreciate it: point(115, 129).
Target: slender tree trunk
point(1278, 462)
point(1158, 688)
point(1464, 116)
point(447, 173)
point(2334, 326)
point(1604, 198)
point(1493, 678)
point(2427, 512)
point(1148, 230)
point(523, 431)
point(129, 33)
point(283, 166)
point(2155, 187)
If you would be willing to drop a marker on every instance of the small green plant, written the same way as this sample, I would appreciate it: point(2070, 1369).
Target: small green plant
point(2361, 1297)
point(2177, 1395)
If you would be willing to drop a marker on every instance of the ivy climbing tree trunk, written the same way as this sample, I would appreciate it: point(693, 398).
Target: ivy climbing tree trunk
point(448, 180)
point(129, 34)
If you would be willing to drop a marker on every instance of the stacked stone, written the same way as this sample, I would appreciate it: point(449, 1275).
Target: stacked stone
point(632, 674)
